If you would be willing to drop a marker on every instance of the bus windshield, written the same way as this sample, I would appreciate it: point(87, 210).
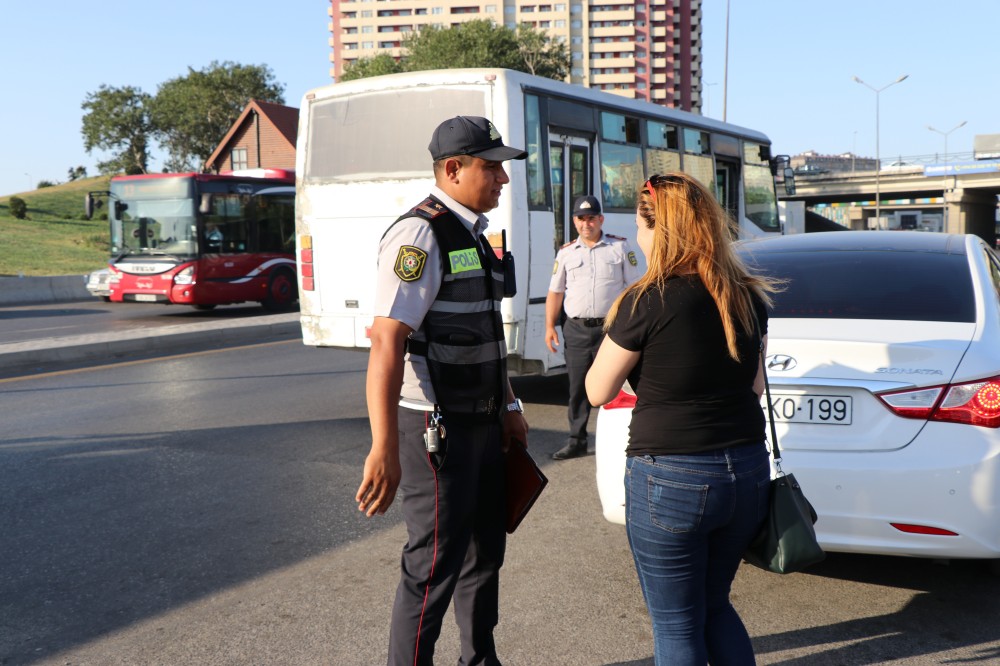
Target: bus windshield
point(153, 217)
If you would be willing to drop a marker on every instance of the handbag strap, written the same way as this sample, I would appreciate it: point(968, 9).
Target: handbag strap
point(775, 449)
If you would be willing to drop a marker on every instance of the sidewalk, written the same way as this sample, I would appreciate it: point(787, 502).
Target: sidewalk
point(35, 353)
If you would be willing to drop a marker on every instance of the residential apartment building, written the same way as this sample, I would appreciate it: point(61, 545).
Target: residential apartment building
point(644, 49)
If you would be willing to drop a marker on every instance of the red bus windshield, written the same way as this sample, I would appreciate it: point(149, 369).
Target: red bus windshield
point(188, 216)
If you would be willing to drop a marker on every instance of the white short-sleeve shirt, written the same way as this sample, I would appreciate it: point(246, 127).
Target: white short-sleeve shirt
point(592, 277)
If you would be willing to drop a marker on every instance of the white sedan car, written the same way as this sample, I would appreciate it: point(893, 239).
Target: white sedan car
point(98, 283)
point(884, 363)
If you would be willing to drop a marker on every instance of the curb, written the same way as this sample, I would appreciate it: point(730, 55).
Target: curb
point(35, 290)
point(182, 337)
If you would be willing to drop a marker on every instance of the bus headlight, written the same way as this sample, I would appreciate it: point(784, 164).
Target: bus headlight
point(185, 276)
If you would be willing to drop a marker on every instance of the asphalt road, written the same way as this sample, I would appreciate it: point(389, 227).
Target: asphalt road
point(198, 509)
point(22, 323)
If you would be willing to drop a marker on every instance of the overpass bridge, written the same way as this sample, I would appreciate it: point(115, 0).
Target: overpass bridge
point(957, 198)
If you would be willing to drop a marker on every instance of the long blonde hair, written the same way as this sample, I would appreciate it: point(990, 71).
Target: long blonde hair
point(692, 233)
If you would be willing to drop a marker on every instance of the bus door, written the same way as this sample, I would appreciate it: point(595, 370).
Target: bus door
point(225, 238)
point(571, 176)
point(727, 186)
point(727, 174)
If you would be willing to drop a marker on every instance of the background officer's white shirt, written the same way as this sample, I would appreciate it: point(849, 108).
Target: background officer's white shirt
point(408, 302)
point(591, 278)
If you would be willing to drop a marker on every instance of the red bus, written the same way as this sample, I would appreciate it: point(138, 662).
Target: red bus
point(202, 239)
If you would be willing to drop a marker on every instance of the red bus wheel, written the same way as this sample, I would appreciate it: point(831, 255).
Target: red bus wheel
point(281, 292)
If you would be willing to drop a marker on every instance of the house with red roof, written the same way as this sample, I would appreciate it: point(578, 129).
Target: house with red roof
point(263, 137)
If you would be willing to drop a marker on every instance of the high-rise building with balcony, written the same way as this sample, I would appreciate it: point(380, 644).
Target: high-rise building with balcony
point(645, 49)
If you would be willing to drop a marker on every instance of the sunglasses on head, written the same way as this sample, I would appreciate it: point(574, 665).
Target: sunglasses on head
point(656, 180)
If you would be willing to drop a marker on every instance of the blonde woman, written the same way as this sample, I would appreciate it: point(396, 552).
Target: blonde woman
point(686, 336)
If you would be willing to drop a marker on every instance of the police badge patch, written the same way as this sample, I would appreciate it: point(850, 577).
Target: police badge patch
point(631, 259)
point(410, 263)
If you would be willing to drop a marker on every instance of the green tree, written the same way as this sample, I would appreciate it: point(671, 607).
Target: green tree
point(362, 68)
point(478, 43)
point(541, 55)
point(75, 173)
point(118, 120)
point(192, 113)
point(17, 207)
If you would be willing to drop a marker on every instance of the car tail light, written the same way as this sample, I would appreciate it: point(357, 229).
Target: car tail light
point(975, 403)
point(185, 275)
point(621, 401)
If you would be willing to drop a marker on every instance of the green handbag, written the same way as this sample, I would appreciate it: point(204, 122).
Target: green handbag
point(786, 542)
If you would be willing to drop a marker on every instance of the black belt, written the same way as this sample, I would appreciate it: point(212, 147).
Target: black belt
point(589, 322)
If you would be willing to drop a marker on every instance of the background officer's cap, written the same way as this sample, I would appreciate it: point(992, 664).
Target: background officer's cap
point(586, 205)
point(471, 135)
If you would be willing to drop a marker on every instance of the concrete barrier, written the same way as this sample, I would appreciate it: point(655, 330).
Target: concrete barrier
point(27, 290)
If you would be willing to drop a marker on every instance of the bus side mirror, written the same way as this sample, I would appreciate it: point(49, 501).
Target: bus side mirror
point(205, 205)
point(88, 206)
point(120, 208)
point(789, 181)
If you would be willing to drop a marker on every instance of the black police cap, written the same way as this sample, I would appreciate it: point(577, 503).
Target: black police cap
point(471, 135)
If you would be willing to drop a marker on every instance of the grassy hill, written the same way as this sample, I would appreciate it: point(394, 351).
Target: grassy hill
point(55, 239)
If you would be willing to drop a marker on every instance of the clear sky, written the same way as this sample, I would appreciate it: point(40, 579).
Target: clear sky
point(790, 69)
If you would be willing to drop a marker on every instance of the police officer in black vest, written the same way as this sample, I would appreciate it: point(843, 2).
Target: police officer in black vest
point(442, 411)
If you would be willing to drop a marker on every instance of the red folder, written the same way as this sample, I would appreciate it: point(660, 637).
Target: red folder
point(525, 483)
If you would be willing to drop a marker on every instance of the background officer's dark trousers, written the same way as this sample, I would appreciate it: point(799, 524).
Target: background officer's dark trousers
point(453, 506)
point(581, 343)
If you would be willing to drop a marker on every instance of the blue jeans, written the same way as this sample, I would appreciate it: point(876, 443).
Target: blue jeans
point(689, 519)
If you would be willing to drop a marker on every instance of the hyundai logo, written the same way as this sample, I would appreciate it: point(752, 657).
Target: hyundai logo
point(780, 362)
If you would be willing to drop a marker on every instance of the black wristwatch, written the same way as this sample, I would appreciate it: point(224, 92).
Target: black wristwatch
point(516, 406)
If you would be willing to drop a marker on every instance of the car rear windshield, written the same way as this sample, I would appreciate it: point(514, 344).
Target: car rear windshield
point(920, 286)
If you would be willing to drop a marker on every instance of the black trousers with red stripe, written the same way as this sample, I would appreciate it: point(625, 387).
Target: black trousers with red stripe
point(453, 506)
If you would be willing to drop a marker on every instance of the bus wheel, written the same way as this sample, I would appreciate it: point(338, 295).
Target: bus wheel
point(281, 292)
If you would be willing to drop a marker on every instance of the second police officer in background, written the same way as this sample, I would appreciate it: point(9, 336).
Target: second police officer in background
point(589, 274)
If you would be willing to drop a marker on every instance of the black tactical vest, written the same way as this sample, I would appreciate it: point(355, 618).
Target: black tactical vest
point(463, 338)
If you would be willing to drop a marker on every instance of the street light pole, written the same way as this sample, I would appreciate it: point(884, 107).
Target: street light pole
point(878, 155)
point(944, 193)
point(854, 151)
point(945, 135)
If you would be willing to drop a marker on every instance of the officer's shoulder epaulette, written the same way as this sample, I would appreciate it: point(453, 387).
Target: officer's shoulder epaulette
point(613, 237)
point(566, 245)
point(428, 209)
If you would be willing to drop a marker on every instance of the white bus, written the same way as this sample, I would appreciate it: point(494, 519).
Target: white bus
point(362, 161)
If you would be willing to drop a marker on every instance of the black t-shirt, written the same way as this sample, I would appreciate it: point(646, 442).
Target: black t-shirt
point(691, 395)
